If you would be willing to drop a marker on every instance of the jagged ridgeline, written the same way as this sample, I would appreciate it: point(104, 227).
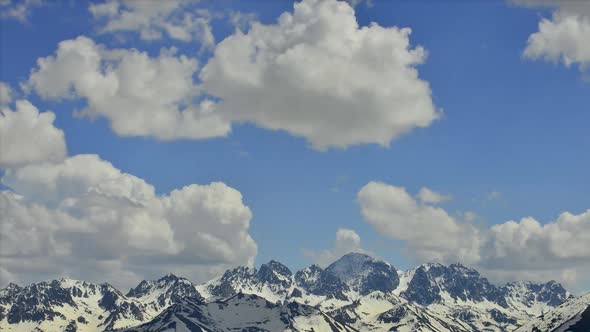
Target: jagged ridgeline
point(355, 293)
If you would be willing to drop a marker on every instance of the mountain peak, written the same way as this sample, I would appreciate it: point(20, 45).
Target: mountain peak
point(347, 289)
point(275, 273)
point(353, 255)
point(277, 267)
point(165, 290)
point(349, 264)
point(12, 286)
point(364, 273)
point(169, 276)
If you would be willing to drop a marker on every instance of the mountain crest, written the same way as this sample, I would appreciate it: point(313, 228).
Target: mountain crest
point(356, 290)
point(364, 273)
point(275, 273)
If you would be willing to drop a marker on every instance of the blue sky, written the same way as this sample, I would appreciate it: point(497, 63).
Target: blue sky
point(512, 140)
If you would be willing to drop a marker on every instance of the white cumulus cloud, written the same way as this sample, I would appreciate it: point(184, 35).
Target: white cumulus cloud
point(315, 74)
point(139, 94)
point(319, 75)
point(563, 37)
point(429, 231)
point(525, 249)
point(86, 219)
point(28, 136)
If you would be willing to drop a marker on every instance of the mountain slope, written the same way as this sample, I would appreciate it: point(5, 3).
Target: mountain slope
point(241, 312)
point(461, 292)
point(272, 281)
point(573, 315)
point(72, 305)
point(354, 292)
point(364, 274)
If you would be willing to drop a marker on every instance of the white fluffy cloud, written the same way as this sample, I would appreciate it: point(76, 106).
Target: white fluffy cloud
point(564, 37)
point(528, 243)
point(28, 136)
point(347, 241)
point(318, 75)
point(139, 94)
point(511, 250)
point(86, 219)
point(315, 74)
point(427, 195)
point(153, 19)
point(430, 232)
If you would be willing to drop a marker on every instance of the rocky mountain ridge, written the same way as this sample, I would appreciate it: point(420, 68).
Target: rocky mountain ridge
point(357, 291)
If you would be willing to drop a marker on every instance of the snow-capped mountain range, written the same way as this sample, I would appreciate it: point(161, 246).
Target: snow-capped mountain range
point(355, 293)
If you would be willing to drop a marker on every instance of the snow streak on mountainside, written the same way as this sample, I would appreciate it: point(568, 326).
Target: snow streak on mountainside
point(356, 292)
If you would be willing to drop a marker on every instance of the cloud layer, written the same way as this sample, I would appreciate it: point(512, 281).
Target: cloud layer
point(511, 250)
point(82, 217)
point(84, 212)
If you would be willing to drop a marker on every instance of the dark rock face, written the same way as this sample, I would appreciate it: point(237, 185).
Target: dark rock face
point(501, 318)
point(72, 327)
point(383, 277)
point(35, 302)
point(347, 314)
point(329, 284)
point(466, 284)
point(421, 290)
point(272, 274)
point(275, 273)
point(296, 293)
point(460, 282)
point(321, 282)
point(225, 286)
point(583, 325)
point(308, 277)
point(7, 296)
point(364, 273)
point(394, 315)
point(551, 293)
point(466, 315)
point(528, 293)
point(355, 271)
point(110, 298)
point(140, 290)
